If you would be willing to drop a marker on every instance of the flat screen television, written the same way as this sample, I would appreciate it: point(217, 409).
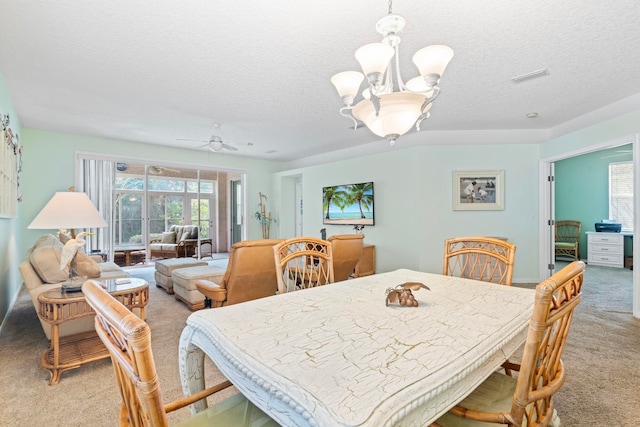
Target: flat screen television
point(350, 204)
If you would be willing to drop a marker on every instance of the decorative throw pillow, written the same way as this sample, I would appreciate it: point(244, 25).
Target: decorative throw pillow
point(86, 266)
point(45, 259)
point(168, 237)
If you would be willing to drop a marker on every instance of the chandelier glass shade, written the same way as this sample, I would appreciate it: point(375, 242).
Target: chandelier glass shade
point(390, 109)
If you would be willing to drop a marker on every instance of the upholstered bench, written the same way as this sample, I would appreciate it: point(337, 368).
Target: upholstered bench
point(165, 267)
point(184, 283)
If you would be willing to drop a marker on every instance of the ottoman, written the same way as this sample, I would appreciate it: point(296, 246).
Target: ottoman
point(184, 283)
point(166, 266)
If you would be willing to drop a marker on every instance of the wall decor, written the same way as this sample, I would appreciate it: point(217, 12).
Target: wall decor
point(10, 168)
point(348, 205)
point(478, 190)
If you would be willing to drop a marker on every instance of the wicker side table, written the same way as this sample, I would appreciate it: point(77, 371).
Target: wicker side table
point(70, 352)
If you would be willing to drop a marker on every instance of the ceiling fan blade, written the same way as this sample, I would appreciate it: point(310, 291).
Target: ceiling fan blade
point(193, 140)
point(229, 147)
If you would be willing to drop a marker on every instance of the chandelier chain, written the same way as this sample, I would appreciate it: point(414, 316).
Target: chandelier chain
point(390, 5)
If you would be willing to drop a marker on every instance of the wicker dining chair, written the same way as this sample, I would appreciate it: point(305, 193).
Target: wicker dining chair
point(567, 237)
point(128, 339)
point(346, 250)
point(528, 399)
point(303, 262)
point(480, 258)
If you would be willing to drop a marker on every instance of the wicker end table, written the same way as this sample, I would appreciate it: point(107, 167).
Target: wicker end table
point(56, 307)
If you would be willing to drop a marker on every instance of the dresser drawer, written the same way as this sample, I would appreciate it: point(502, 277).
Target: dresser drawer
point(602, 249)
point(606, 238)
point(603, 259)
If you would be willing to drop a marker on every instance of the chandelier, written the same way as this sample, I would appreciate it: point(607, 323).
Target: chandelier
point(391, 110)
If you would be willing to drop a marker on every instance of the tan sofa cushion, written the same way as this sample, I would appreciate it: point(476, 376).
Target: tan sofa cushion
point(85, 265)
point(45, 259)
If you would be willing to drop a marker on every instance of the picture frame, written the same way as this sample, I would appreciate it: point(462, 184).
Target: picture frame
point(478, 190)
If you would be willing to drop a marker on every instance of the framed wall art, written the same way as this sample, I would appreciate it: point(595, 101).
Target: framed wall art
point(481, 190)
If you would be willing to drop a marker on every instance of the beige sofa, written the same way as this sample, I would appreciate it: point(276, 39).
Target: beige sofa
point(40, 270)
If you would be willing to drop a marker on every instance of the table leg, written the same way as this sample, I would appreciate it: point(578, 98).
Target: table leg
point(54, 371)
point(127, 258)
point(191, 365)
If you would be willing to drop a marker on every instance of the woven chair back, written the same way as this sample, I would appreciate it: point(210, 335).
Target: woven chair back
point(128, 339)
point(303, 262)
point(567, 237)
point(541, 371)
point(481, 258)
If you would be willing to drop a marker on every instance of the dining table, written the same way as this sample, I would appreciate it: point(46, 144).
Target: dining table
point(341, 355)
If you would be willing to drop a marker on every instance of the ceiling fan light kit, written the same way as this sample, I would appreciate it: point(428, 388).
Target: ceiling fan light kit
point(389, 110)
point(215, 143)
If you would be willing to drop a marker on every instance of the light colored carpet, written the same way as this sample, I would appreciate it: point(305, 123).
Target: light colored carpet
point(86, 396)
point(602, 359)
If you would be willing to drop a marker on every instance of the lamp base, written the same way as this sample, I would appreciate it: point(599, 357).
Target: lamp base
point(74, 284)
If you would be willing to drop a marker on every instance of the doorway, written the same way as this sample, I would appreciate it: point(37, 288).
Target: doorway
point(547, 209)
point(236, 211)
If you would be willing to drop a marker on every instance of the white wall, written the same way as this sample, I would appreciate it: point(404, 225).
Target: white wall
point(413, 202)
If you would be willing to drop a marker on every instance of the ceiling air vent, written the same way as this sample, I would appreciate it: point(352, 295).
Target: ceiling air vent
point(530, 76)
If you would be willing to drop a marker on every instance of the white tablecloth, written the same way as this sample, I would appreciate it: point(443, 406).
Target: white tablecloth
point(337, 356)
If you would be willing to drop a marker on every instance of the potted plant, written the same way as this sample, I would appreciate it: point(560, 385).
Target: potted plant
point(263, 218)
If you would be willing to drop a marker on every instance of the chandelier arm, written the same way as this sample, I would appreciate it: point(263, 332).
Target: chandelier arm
point(401, 87)
point(436, 92)
point(349, 116)
point(376, 103)
point(425, 115)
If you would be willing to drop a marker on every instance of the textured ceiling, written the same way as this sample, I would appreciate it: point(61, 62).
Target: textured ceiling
point(156, 71)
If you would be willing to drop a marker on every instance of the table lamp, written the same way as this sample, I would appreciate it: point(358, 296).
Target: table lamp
point(69, 210)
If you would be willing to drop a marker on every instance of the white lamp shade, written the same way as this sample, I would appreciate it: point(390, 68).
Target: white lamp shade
point(374, 57)
point(347, 83)
point(68, 210)
point(398, 113)
point(432, 59)
point(418, 85)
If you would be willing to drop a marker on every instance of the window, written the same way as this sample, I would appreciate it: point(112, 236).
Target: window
point(621, 194)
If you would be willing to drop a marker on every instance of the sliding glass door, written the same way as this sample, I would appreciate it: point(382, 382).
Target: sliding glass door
point(142, 201)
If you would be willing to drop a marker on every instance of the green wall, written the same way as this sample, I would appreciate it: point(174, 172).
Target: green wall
point(582, 188)
point(49, 166)
point(413, 190)
point(413, 202)
point(10, 232)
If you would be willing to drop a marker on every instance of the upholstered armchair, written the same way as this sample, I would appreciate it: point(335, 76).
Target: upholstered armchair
point(180, 241)
point(346, 251)
point(251, 274)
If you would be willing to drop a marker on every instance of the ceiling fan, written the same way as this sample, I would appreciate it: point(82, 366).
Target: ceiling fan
point(215, 142)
